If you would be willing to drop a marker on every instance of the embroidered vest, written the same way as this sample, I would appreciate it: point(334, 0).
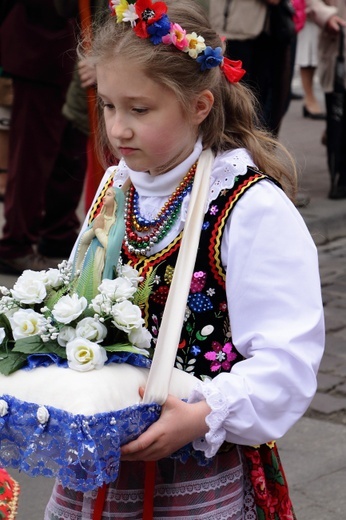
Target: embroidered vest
point(205, 347)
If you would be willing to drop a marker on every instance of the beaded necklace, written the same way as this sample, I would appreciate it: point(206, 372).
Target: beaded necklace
point(156, 229)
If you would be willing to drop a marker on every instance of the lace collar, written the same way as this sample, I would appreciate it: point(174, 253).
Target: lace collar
point(226, 167)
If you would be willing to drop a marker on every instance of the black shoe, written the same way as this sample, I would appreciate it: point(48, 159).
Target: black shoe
point(317, 116)
point(296, 97)
point(337, 192)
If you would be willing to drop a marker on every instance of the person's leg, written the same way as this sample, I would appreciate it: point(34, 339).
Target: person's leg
point(3, 161)
point(280, 84)
point(61, 225)
point(35, 135)
point(336, 147)
point(255, 55)
point(311, 103)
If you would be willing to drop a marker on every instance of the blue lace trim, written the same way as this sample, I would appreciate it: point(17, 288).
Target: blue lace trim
point(83, 452)
point(46, 359)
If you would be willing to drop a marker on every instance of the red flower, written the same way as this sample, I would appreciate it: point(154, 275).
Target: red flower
point(232, 70)
point(4, 511)
point(148, 13)
point(221, 356)
point(259, 482)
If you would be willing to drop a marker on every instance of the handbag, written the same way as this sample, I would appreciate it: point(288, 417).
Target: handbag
point(281, 22)
point(52, 418)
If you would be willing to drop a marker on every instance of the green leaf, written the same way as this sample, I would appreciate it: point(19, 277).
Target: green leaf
point(144, 290)
point(11, 362)
point(35, 345)
point(4, 322)
point(120, 347)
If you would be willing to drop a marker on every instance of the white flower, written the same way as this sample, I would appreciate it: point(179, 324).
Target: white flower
point(127, 316)
point(29, 288)
point(101, 304)
point(3, 408)
point(68, 308)
point(25, 322)
point(52, 278)
point(131, 274)
point(66, 334)
point(42, 415)
point(196, 45)
point(91, 329)
point(84, 355)
point(140, 337)
point(130, 15)
point(2, 334)
point(117, 290)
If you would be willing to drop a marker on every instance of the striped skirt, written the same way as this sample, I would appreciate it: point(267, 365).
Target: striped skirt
point(183, 491)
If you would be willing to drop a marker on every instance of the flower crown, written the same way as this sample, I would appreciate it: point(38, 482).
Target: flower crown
point(149, 20)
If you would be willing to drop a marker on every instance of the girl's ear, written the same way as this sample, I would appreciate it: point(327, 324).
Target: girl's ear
point(203, 105)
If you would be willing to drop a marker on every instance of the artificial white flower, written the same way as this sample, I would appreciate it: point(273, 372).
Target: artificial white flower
point(84, 355)
point(3, 407)
point(196, 44)
point(8, 306)
point(66, 334)
point(2, 334)
point(131, 274)
point(25, 322)
point(117, 290)
point(101, 304)
point(42, 415)
point(29, 288)
point(68, 308)
point(140, 337)
point(91, 329)
point(127, 316)
point(130, 15)
point(52, 278)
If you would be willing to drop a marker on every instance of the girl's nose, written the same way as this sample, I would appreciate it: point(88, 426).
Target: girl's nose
point(120, 128)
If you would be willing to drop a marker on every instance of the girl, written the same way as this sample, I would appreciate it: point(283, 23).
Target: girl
point(253, 331)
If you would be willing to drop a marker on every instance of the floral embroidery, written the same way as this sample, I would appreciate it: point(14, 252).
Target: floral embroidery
point(221, 356)
point(213, 210)
point(269, 482)
point(198, 281)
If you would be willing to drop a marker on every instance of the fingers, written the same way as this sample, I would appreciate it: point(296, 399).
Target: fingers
point(87, 73)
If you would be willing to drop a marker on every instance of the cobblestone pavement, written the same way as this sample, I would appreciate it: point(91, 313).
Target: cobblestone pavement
point(330, 400)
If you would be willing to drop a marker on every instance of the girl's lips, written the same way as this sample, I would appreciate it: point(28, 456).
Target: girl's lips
point(127, 151)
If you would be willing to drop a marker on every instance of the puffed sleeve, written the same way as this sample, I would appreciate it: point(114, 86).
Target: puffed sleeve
point(276, 314)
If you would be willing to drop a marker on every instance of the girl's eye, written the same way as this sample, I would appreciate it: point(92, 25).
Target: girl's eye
point(140, 110)
point(104, 105)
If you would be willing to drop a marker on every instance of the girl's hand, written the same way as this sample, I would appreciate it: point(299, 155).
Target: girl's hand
point(179, 424)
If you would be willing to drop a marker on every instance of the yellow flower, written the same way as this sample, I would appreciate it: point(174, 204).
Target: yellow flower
point(120, 10)
point(196, 44)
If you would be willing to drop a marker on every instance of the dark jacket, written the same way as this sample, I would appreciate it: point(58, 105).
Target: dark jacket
point(37, 44)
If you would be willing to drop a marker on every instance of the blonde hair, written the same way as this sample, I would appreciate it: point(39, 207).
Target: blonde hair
point(232, 121)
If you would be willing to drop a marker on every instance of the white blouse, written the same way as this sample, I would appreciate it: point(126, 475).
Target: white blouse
point(274, 298)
